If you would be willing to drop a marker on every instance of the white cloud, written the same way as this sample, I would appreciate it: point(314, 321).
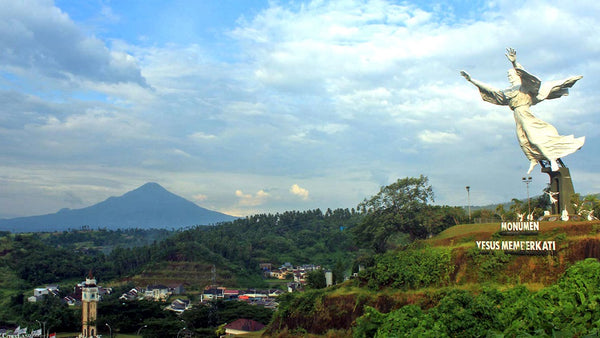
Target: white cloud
point(249, 200)
point(201, 136)
point(349, 87)
point(200, 197)
point(299, 191)
point(39, 37)
point(181, 153)
point(429, 136)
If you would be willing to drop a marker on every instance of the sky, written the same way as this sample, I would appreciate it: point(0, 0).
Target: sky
point(249, 107)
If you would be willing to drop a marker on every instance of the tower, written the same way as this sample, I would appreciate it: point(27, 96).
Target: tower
point(89, 307)
point(561, 183)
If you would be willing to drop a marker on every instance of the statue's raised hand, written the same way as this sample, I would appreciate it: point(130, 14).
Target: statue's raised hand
point(465, 75)
point(511, 55)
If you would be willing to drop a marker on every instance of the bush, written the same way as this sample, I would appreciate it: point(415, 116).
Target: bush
point(566, 309)
point(410, 269)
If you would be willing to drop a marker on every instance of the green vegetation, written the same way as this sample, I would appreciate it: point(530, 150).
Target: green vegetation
point(202, 319)
point(419, 273)
point(235, 249)
point(298, 237)
point(409, 269)
point(568, 308)
point(206, 318)
point(316, 279)
point(402, 208)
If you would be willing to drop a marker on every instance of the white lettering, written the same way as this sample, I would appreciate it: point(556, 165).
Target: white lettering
point(518, 245)
point(520, 226)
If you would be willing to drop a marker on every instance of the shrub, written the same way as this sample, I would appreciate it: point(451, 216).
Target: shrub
point(410, 269)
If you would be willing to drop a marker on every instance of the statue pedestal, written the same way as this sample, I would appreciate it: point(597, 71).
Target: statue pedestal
point(560, 182)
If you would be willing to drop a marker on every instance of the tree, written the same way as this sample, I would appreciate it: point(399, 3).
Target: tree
point(501, 212)
point(542, 202)
point(485, 215)
point(516, 208)
point(316, 279)
point(398, 208)
point(338, 271)
point(593, 205)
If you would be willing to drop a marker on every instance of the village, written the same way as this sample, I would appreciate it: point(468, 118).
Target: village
point(179, 301)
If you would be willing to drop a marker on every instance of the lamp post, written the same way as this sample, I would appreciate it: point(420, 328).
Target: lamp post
point(469, 201)
point(140, 329)
point(43, 327)
point(180, 332)
point(527, 180)
point(109, 330)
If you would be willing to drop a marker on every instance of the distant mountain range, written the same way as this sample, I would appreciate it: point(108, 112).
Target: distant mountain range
point(149, 206)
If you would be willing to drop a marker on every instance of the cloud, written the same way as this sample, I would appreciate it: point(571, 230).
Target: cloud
point(38, 37)
point(201, 136)
point(363, 91)
point(200, 197)
point(48, 137)
point(248, 200)
point(300, 192)
point(433, 137)
point(180, 152)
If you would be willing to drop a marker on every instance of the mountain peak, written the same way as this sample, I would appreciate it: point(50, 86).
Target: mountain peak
point(148, 206)
point(151, 186)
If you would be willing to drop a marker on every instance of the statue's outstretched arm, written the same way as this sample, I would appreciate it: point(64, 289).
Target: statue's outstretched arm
point(488, 93)
point(478, 84)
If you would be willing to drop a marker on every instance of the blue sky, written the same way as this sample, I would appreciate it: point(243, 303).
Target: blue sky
point(264, 106)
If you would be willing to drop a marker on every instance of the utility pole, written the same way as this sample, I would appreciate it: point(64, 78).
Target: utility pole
point(527, 180)
point(213, 272)
point(469, 201)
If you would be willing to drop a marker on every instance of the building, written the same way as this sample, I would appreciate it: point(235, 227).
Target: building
point(157, 292)
point(38, 293)
point(231, 294)
point(328, 278)
point(179, 305)
point(266, 266)
point(78, 290)
point(212, 293)
point(89, 307)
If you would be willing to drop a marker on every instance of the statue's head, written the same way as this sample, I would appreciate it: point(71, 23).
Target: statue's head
point(513, 77)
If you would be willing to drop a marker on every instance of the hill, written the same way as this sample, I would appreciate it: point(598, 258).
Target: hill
point(149, 206)
point(446, 286)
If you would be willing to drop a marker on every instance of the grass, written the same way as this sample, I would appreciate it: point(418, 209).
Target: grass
point(466, 229)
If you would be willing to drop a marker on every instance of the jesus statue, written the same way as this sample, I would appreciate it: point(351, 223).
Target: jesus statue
point(538, 139)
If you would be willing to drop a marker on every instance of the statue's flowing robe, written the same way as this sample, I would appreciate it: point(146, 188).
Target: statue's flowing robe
point(538, 139)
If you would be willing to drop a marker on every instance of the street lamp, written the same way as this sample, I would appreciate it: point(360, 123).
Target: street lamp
point(527, 180)
point(109, 330)
point(140, 329)
point(180, 332)
point(43, 327)
point(469, 201)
